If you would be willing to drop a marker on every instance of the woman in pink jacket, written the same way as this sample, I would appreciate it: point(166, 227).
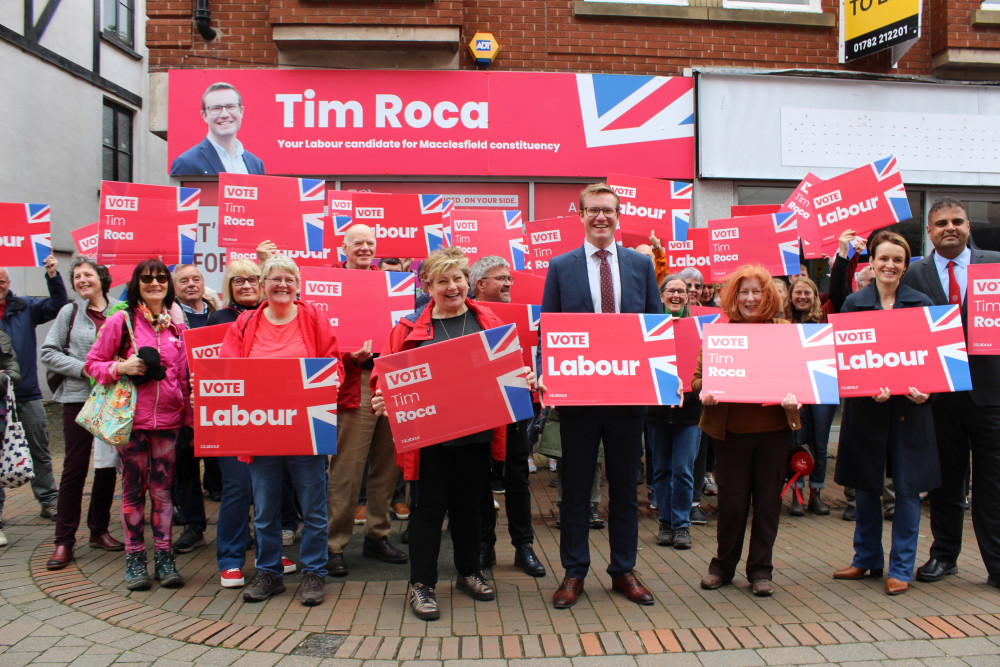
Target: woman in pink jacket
point(162, 407)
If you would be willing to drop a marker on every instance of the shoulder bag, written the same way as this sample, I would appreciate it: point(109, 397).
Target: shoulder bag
point(110, 410)
point(16, 467)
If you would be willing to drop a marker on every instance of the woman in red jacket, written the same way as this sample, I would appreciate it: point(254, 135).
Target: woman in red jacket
point(285, 327)
point(451, 477)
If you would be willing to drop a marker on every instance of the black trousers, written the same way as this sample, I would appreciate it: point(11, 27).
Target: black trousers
point(581, 430)
point(962, 427)
point(517, 497)
point(187, 482)
point(452, 480)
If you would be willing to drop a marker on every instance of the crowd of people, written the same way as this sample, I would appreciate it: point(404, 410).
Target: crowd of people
point(918, 442)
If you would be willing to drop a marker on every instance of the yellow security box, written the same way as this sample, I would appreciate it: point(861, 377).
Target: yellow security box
point(484, 48)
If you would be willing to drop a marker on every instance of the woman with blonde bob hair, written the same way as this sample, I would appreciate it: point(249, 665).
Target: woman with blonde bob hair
point(751, 447)
point(450, 477)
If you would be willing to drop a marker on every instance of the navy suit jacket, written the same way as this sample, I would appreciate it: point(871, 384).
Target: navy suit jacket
point(202, 158)
point(984, 369)
point(567, 287)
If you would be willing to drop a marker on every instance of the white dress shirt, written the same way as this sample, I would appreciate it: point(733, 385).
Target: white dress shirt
point(233, 164)
point(961, 270)
point(594, 274)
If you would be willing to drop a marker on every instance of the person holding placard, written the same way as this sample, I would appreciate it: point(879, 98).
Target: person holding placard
point(450, 477)
point(887, 434)
point(285, 327)
point(966, 421)
point(751, 448)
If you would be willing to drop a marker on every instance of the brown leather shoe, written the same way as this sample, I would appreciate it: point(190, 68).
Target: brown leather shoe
point(106, 542)
point(852, 572)
point(711, 581)
point(895, 586)
point(633, 589)
point(567, 593)
point(61, 558)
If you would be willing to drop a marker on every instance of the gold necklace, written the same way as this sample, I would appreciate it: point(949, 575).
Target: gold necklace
point(465, 319)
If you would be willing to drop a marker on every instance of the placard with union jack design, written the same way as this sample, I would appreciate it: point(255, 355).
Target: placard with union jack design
point(769, 240)
point(482, 232)
point(430, 398)
point(653, 204)
point(24, 234)
point(138, 221)
point(288, 211)
point(609, 359)
point(265, 407)
point(404, 225)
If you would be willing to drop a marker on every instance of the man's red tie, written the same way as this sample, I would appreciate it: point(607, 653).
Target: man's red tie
point(607, 285)
point(954, 291)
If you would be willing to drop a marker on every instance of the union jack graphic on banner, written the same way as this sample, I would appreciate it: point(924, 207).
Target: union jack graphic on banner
point(656, 327)
point(681, 189)
point(940, 318)
point(188, 199)
point(38, 213)
point(312, 225)
point(187, 237)
point(618, 109)
point(434, 235)
point(815, 335)
point(400, 283)
point(311, 189)
point(512, 219)
point(885, 168)
point(323, 428)
point(431, 204)
point(500, 341)
point(823, 377)
point(340, 224)
point(516, 395)
point(518, 254)
point(319, 373)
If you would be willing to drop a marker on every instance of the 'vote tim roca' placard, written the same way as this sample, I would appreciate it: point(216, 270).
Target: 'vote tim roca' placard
point(265, 407)
point(482, 232)
point(141, 221)
point(609, 359)
point(288, 211)
point(429, 398)
point(982, 295)
point(899, 349)
point(762, 363)
point(770, 240)
point(24, 234)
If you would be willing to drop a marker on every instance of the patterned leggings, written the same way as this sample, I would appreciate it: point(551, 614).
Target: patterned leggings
point(148, 464)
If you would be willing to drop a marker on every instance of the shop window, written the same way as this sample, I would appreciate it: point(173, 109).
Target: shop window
point(775, 5)
point(116, 142)
point(119, 21)
point(984, 215)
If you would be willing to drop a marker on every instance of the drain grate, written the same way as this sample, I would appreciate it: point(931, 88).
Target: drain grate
point(320, 645)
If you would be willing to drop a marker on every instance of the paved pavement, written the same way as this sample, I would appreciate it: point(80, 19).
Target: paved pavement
point(83, 615)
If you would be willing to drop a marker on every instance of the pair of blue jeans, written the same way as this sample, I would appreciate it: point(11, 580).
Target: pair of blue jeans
point(868, 552)
point(308, 475)
point(674, 448)
point(234, 511)
point(817, 420)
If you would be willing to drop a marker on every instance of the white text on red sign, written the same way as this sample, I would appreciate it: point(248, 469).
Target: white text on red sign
point(408, 376)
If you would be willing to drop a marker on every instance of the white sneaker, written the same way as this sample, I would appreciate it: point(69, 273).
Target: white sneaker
point(3, 539)
point(531, 464)
point(552, 464)
point(287, 537)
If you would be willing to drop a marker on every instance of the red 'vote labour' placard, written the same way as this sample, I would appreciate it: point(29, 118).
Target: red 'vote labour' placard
point(762, 363)
point(862, 199)
point(265, 407)
point(85, 239)
point(205, 342)
point(340, 213)
point(404, 225)
point(288, 211)
point(482, 232)
point(24, 234)
point(609, 359)
point(361, 305)
point(982, 296)
point(694, 252)
point(429, 398)
point(770, 240)
point(552, 237)
point(326, 257)
point(899, 349)
point(137, 222)
point(653, 204)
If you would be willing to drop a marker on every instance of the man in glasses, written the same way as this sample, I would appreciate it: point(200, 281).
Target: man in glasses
point(361, 437)
point(600, 277)
point(19, 315)
point(222, 110)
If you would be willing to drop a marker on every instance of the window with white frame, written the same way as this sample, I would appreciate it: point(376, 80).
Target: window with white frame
point(775, 5)
point(119, 21)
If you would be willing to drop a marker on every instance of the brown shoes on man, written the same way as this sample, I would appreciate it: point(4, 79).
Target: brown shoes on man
point(852, 572)
point(567, 593)
point(633, 589)
point(61, 558)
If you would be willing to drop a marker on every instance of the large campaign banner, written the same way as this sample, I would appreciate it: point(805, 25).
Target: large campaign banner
point(300, 122)
point(24, 234)
point(762, 363)
point(141, 221)
point(694, 252)
point(899, 349)
point(653, 204)
point(982, 297)
point(609, 359)
point(265, 407)
point(769, 240)
point(482, 232)
point(430, 399)
point(863, 199)
point(405, 225)
point(361, 305)
point(288, 211)
point(205, 342)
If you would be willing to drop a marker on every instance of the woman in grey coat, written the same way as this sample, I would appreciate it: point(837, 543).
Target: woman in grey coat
point(65, 349)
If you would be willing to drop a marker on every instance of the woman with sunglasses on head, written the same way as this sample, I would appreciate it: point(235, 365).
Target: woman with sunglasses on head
point(162, 407)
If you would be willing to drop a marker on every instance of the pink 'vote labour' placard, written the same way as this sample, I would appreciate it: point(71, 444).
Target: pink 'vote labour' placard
point(693, 252)
point(899, 349)
point(24, 234)
point(361, 305)
point(265, 407)
point(609, 359)
point(982, 297)
point(137, 222)
point(288, 211)
point(405, 225)
point(429, 398)
point(770, 240)
point(205, 342)
point(762, 363)
point(653, 204)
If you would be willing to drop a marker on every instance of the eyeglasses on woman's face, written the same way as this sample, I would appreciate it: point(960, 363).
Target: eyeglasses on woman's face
point(147, 278)
point(239, 281)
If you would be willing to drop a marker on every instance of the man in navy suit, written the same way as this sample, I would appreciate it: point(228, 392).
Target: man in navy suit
point(600, 277)
point(963, 421)
point(222, 110)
